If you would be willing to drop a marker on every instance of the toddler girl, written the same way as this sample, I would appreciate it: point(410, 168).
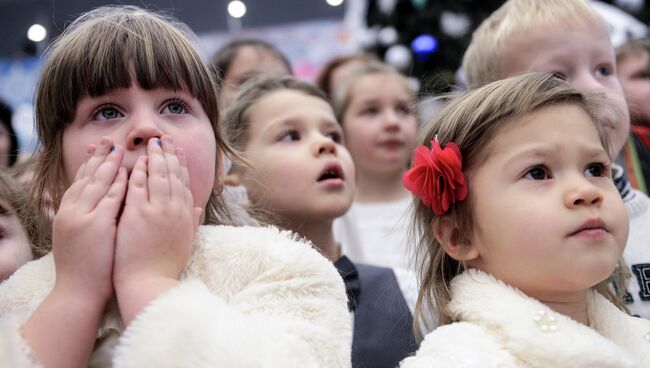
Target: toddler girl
point(139, 274)
point(302, 179)
point(374, 106)
point(521, 227)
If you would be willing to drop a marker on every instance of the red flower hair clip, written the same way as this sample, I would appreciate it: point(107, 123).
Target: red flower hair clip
point(437, 177)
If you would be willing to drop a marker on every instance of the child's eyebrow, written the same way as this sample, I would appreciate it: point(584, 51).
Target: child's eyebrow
point(537, 151)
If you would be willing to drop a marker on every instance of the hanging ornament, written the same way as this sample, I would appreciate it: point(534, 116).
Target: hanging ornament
point(387, 6)
point(419, 4)
point(398, 56)
point(387, 36)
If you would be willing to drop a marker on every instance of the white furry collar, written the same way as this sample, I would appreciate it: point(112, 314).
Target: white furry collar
point(540, 337)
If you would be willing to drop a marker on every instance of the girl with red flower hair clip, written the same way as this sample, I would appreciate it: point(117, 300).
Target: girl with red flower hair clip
point(519, 231)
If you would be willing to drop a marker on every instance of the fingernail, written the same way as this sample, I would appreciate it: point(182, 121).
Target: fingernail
point(158, 141)
point(113, 148)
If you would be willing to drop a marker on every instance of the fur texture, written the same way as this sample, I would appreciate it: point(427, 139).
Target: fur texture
point(250, 297)
point(497, 328)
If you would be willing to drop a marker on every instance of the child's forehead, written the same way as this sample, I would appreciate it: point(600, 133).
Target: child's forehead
point(556, 43)
point(366, 86)
point(288, 105)
point(541, 125)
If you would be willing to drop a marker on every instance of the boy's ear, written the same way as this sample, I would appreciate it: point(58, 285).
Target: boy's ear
point(455, 245)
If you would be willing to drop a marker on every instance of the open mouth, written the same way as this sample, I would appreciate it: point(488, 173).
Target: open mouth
point(331, 171)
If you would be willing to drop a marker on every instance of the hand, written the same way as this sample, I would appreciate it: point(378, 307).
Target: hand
point(85, 225)
point(156, 229)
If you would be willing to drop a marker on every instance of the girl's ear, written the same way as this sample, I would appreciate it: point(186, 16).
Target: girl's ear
point(455, 245)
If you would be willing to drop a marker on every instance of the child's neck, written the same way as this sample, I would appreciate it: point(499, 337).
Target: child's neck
point(374, 187)
point(574, 307)
point(321, 235)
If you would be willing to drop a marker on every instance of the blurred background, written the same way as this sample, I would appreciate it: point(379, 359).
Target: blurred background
point(425, 39)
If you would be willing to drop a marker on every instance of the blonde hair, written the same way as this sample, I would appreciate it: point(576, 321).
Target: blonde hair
point(342, 96)
point(632, 47)
point(471, 121)
point(107, 48)
point(14, 199)
point(483, 61)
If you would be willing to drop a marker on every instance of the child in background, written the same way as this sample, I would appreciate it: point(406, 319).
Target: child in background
point(235, 63)
point(302, 179)
point(240, 60)
point(633, 60)
point(16, 239)
point(139, 274)
point(521, 226)
point(570, 40)
point(336, 71)
point(374, 107)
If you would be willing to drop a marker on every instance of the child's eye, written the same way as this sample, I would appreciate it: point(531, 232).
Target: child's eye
point(175, 107)
point(641, 75)
point(336, 137)
point(537, 173)
point(403, 109)
point(290, 136)
point(370, 111)
point(106, 112)
point(597, 169)
point(603, 71)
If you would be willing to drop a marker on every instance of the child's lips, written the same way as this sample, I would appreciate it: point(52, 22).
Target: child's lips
point(392, 143)
point(332, 174)
point(592, 228)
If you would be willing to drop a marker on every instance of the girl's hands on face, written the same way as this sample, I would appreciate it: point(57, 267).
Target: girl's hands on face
point(85, 226)
point(157, 226)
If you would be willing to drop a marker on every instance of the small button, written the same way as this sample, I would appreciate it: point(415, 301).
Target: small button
point(545, 321)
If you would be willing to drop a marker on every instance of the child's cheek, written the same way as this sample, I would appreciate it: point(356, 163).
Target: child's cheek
point(201, 164)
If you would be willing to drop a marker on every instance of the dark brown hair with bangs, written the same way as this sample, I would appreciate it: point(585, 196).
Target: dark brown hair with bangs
point(105, 49)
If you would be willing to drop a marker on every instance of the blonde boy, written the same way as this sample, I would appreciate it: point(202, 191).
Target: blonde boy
point(569, 39)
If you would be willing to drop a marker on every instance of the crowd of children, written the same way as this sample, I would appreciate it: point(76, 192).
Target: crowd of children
point(184, 212)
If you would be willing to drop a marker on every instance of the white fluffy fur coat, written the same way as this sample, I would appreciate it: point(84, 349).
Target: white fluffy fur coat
point(249, 297)
point(501, 327)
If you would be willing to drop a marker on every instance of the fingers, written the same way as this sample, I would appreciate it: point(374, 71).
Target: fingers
point(167, 169)
point(138, 185)
point(95, 177)
point(185, 173)
point(158, 183)
point(176, 185)
point(114, 197)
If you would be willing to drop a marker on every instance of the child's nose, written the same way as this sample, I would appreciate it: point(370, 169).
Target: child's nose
point(583, 194)
point(326, 146)
point(391, 119)
point(144, 128)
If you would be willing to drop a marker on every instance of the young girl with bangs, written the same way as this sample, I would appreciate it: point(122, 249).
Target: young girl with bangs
point(140, 274)
point(520, 229)
point(301, 179)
